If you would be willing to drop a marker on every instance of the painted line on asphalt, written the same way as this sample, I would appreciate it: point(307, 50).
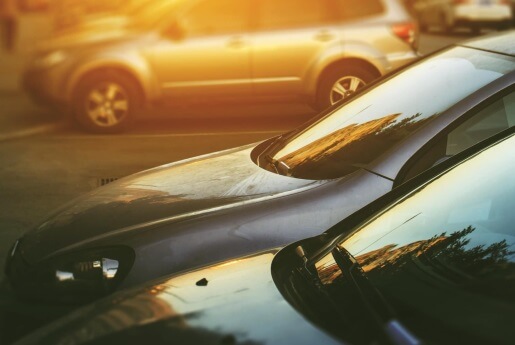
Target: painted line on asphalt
point(23, 133)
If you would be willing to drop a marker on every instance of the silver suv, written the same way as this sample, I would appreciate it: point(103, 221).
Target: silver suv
point(319, 51)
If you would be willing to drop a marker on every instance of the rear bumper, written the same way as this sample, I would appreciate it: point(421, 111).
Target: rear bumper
point(486, 14)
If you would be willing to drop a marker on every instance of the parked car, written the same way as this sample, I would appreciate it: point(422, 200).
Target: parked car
point(230, 203)
point(430, 264)
point(474, 14)
point(183, 50)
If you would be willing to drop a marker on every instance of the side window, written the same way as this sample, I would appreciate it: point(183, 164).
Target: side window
point(490, 120)
point(493, 119)
point(292, 13)
point(213, 17)
point(354, 9)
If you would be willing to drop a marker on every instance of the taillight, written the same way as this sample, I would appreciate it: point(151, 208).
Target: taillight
point(405, 31)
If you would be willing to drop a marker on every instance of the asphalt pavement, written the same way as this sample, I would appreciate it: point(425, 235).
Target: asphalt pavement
point(20, 118)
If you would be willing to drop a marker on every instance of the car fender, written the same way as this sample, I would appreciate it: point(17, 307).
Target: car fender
point(129, 62)
point(352, 50)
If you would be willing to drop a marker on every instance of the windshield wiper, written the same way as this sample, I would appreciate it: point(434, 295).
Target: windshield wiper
point(279, 166)
point(374, 303)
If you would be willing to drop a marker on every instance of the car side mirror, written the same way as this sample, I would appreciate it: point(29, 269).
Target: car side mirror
point(175, 31)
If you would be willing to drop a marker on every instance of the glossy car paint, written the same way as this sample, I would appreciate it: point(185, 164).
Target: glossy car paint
point(245, 300)
point(219, 206)
point(209, 314)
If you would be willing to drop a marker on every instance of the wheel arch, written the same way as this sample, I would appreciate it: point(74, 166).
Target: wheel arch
point(111, 67)
point(342, 63)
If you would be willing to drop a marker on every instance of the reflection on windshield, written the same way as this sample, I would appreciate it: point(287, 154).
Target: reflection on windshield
point(375, 121)
point(444, 257)
point(345, 150)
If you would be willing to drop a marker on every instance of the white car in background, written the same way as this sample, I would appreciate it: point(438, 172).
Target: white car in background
point(475, 14)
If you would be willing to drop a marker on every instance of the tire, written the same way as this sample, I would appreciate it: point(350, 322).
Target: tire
point(106, 102)
point(340, 82)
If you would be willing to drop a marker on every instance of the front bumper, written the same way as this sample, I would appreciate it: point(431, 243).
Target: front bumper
point(38, 85)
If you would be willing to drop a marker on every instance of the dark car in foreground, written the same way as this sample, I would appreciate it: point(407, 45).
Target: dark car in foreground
point(429, 263)
point(231, 203)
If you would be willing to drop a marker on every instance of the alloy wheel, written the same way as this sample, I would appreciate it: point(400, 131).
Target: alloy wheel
point(107, 104)
point(344, 87)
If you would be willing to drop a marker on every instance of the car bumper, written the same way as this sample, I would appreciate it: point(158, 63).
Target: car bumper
point(482, 13)
point(44, 86)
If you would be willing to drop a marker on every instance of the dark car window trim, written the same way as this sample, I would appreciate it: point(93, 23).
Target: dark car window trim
point(414, 159)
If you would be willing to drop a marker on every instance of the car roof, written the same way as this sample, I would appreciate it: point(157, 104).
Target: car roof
point(502, 43)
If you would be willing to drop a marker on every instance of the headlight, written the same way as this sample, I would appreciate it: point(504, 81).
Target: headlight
point(72, 278)
point(51, 59)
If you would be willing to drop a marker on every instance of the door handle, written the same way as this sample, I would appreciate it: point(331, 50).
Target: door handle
point(324, 36)
point(235, 42)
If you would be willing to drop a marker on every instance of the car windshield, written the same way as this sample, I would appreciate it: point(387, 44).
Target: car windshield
point(442, 259)
point(361, 130)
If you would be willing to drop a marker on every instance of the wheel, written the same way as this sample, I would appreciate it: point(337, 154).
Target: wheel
point(105, 102)
point(340, 82)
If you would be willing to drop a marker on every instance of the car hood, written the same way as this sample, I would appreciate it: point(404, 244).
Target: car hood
point(167, 193)
point(235, 300)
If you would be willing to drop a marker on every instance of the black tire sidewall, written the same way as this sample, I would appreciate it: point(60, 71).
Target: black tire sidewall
point(332, 76)
point(83, 90)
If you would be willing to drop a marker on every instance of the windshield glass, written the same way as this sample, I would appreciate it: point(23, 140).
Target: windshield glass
point(444, 257)
point(361, 130)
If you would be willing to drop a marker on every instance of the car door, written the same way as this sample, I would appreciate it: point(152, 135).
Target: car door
point(205, 50)
point(289, 37)
point(491, 117)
